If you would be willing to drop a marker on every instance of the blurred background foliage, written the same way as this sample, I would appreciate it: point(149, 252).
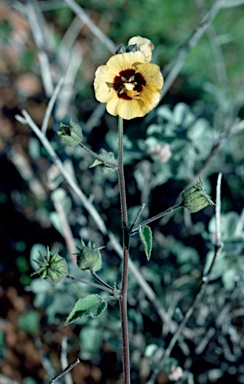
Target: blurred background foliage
point(196, 131)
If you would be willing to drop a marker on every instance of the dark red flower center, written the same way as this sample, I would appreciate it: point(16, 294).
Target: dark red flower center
point(129, 84)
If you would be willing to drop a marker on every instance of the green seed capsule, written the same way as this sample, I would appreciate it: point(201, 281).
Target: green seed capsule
point(53, 268)
point(89, 257)
point(195, 198)
point(71, 134)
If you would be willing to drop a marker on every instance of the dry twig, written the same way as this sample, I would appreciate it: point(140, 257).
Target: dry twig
point(89, 23)
point(205, 279)
point(172, 69)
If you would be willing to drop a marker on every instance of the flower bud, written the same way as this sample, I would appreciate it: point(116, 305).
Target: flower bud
point(71, 134)
point(89, 257)
point(145, 46)
point(195, 198)
point(53, 268)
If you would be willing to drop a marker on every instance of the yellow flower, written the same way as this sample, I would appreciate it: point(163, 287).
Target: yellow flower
point(129, 85)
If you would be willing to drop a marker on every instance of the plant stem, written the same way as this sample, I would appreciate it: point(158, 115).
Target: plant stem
point(137, 217)
point(158, 216)
point(205, 279)
point(98, 157)
point(125, 234)
point(100, 280)
point(66, 370)
point(102, 287)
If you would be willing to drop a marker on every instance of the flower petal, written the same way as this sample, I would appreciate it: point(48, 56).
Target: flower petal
point(103, 84)
point(124, 61)
point(150, 96)
point(152, 74)
point(127, 109)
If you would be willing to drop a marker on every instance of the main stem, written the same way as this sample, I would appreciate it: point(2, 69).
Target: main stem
point(125, 234)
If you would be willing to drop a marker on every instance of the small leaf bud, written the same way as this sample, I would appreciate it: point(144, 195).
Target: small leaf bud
point(195, 198)
point(89, 257)
point(53, 268)
point(71, 134)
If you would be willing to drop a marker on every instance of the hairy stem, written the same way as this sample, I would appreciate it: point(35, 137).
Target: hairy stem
point(157, 217)
point(125, 235)
point(100, 280)
point(102, 287)
point(98, 157)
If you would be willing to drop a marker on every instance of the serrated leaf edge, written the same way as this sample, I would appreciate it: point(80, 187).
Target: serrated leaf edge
point(148, 250)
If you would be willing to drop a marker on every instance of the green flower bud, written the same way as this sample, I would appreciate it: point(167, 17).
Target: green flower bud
point(195, 198)
point(71, 134)
point(53, 268)
point(89, 257)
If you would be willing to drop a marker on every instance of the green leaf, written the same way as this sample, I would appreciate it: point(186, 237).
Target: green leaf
point(98, 309)
point(91, 305)
point(30, 322)
point(229, 279)
point(91, 339)
point(95, 163)
point(146, 239)
point(107, 156)
point(182, 115)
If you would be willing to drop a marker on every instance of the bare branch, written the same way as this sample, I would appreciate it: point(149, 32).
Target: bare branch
point(89, 23)
point(221, 72)
point(218, 209)
point(40, 43)
point(205, 278)
point(89, 207)
point(65, 371)
point(66, 230)
point(27, 173)
point(51, 5)
point(68, 41)
point(50, 106)
point(233, 3)
point(234, 128)
point(95, 117)
point(172, 69)
point(68, 89)
point(64, 360)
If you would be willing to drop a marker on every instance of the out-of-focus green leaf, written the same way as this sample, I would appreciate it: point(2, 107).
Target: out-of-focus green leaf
point(30, 322)
point(91, 338)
